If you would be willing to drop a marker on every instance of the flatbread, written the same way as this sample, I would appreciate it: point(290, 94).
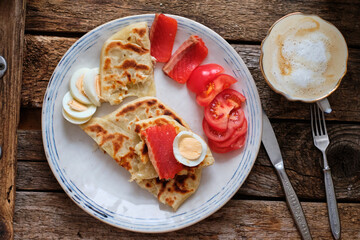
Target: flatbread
point(126, 66)
point(175, 191)
point(118, 133)
point(119, 144)
point(129, 154)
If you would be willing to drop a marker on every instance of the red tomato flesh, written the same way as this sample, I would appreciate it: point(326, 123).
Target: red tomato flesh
point(232, 141)
point(201, 77)
point(218, 111)
point(159, 140)
point(236, 121)
point(186, 58)
point(213, 88)
point(162, 37)
point(215, 148)
point(237, 145)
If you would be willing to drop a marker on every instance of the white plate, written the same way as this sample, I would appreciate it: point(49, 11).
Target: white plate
point(98, 185)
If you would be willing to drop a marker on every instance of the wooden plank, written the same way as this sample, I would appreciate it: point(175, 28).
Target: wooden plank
point(44, 52)
point(30, 118)
point(55, 216)
point(12, 19)
point(245, 21)
point(35, 176)
point(300, 156)
point(30, 145)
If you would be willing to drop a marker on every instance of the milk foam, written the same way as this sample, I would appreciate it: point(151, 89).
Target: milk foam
point(307, 57)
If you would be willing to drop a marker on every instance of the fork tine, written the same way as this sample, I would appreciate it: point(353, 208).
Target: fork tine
point(320, 127)
point(323, 122)
point(316, 121)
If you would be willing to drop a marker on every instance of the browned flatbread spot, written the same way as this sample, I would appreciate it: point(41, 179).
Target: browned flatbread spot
point(132, 64)
point(128, 46)
point(141, 31)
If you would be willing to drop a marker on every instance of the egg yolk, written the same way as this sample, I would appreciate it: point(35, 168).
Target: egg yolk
point(80, 85)
point(190, 148)
point(97, 85)
point(76, 106)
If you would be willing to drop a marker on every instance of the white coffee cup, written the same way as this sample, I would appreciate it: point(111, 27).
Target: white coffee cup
point(304, 58)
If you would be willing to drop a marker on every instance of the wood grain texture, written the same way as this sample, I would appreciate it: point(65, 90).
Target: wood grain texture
point(44, 52)
point(55, 216)
point(12, 19)
point(35, 176)
point(30, 145)
point(233, 20)
point(302, 162)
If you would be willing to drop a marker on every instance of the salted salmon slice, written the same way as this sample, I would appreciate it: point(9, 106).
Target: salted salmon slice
point(162, 37)
point(159, 141)
point(186, 58)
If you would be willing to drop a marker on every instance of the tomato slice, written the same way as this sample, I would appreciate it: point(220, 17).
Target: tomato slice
point(214, 135)
point(218, 111)
point(236, 120)
point(202, 75)
point(232, 141)
point(215, 148)
point(213, 88)
point(239, 143)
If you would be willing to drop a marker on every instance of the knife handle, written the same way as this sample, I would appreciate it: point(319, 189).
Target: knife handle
point(293, 202)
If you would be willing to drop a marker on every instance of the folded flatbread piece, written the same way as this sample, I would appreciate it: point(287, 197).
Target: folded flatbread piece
point(118, 133)
point(130, 151)
point(126, 66)
point(175, 191)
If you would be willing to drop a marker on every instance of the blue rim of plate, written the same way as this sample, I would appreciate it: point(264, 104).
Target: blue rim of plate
point(176, 221)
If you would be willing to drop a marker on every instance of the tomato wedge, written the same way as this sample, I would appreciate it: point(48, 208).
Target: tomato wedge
point(162, 37)
point(236, 121)
point(218, 111)
point(201, 77)
point(213, 88)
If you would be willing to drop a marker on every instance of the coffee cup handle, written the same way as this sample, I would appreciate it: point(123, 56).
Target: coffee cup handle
point(324, 105)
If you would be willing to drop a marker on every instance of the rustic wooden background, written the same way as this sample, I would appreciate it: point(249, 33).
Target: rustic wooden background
point(258, 210)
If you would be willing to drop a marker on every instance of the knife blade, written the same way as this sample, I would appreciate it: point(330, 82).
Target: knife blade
point(273, 150)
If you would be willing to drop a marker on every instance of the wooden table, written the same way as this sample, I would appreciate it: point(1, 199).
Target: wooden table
point(258, 210)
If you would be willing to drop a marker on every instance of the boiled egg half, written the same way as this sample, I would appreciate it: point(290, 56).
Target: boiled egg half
point(189, 149)
point(92, 86)
point(76, 112)
point(77, 86)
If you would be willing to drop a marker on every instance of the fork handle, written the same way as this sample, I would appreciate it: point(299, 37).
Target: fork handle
point(331, 204)
point(293, 202)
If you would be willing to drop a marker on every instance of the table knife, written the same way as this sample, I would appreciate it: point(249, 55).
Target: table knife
point(273, 150)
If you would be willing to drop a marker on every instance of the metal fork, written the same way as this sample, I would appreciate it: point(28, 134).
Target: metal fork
point(321, 141)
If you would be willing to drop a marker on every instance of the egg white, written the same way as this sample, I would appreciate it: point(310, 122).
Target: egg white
point(75, 92)
point(75, 114)
point(90, 86)
point(74, 120)
point(183, 160)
